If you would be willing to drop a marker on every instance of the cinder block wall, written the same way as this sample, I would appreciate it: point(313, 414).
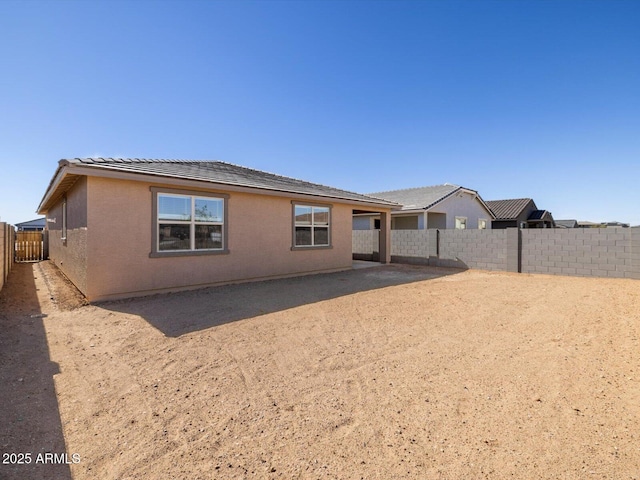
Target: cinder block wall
point(365, 242)
point(597, 252)
point(482, 249)
point(409, 243)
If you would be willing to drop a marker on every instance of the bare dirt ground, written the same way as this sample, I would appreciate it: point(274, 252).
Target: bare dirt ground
point(389, 372)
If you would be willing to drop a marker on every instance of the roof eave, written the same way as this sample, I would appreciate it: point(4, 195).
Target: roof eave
point(56, 187)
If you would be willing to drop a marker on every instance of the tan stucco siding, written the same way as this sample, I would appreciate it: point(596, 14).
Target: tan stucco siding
point(259, 243)
point(70, 255)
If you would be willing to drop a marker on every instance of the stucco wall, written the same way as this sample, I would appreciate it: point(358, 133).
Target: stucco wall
point(259, 243)
point(462, 204)
point(70, 255)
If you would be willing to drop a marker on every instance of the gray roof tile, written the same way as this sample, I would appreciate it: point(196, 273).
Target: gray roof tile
point(418, 198)
point(222, 173)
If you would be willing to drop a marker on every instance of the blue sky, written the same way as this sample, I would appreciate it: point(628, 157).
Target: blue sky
point(514, 99)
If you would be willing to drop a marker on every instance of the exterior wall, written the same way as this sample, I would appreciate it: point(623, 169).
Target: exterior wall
point(437, 220)
point(410, 246)
point(7, 242)
point(399, 222)
point(259, 242)
point(610, 252)
point(465, 205)
point(362, 223)
point(365, 244)
point(482, 249)
point(70, 255)
point(598, 252)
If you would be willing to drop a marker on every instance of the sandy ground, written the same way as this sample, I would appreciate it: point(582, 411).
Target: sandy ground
point(389, 372)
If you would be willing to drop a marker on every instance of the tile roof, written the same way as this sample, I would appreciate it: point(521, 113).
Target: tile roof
point(566, 223)
point(214, 172)
point(419, 198)
point(38, 222)
point(508, 209)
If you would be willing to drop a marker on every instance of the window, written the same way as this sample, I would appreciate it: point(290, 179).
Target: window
point(482, 224)
point(188, 224)
point(311, 226)
point(461, 223)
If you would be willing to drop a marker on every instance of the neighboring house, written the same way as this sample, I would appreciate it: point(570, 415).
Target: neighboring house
point(566, 223)
point(36, 225)
point(127, 227)
point(519, 212)
point(439, 206)
point(602, 224)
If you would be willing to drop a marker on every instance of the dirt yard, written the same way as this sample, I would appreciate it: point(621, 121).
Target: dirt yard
point(381, 373)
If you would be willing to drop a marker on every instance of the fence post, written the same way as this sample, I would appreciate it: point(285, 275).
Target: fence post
point(514, 250)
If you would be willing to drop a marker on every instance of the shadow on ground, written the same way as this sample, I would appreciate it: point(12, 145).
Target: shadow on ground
point(29, 416)
point(185, 312)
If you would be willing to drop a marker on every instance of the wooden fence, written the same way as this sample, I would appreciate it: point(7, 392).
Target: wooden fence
point(30, 246)
point(7, 233)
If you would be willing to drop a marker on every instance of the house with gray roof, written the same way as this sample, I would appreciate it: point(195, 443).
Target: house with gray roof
point(519, 212)
point(127, 227)
point(569, 223)
point(438, 206)
point(36, 225)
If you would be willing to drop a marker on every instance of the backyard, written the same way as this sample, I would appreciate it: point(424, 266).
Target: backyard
point(376, 373)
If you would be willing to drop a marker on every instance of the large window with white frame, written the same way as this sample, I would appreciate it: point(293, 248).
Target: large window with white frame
point(189, 223)
point(312, 225)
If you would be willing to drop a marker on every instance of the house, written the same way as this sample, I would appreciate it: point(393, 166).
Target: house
point(519, 212)
point(602, 224)
point(438, 206)
point(36, 225)
point(566, 223)
point(128, 227)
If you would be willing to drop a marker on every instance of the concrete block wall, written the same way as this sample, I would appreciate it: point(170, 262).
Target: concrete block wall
point(365, 243)
point(592, 252)
point(409, 243)
point(598, 252)
point(482, 249)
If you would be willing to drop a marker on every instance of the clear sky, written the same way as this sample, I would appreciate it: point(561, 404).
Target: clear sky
point(514, 99)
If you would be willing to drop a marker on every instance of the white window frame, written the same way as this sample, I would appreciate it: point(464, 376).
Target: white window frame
point(486, 224)
point(157, 193)
point(463, 221)
point(312, 226)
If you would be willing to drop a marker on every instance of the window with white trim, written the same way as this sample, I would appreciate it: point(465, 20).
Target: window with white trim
point(461, 223)
point(311, 226)
point(189, 223)
point(482, 223)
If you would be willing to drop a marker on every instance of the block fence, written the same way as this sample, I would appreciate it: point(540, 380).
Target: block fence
point(601, 252)
point(7, 241)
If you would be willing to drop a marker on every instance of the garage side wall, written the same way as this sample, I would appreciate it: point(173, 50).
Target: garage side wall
point(259, 243)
